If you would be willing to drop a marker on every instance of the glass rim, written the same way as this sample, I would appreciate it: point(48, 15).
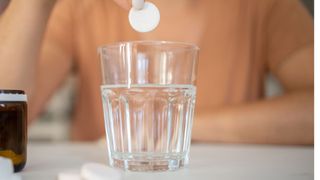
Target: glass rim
point(184, 45)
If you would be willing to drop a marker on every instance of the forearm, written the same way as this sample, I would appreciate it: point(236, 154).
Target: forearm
point(22, 26)
point(283, 120)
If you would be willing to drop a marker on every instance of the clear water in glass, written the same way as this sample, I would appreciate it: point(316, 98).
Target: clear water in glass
point(148, 126)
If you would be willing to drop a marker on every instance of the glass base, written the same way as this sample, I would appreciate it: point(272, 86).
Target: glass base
point(154, 165)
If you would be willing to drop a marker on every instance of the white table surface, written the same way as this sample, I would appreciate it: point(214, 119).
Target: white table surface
point(217, 162)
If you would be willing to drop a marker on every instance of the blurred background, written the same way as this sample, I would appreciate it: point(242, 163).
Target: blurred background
point(53, 124)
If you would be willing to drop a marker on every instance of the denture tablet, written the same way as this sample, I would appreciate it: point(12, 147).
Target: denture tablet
point(95, 171)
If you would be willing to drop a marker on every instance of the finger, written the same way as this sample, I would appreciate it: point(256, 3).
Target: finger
point(126, 4)
point(138, 4)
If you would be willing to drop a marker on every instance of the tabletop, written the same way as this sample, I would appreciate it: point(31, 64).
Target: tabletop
point(215, 161)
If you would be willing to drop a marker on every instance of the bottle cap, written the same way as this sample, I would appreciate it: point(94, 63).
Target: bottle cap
point(12, 95)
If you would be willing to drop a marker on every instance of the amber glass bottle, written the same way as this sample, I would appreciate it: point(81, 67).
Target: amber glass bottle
point(13, 127)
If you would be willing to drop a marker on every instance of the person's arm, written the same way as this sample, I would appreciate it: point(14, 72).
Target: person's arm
point(283, 120)
point(36, 55)
point(287, 119)
point(29, 61)
point(22, 26)
point(57, 56)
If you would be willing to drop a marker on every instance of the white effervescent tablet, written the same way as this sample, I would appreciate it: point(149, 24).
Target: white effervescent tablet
point(6, 168)
point(96, 171)
point(146, 19)
point(69, 176)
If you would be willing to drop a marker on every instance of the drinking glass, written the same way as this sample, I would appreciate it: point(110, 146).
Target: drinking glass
point(148, 96)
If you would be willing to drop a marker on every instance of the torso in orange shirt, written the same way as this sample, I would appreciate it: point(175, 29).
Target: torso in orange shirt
point(231, 35)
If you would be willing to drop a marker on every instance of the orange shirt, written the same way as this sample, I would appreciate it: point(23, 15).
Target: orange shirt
point(240, 41)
